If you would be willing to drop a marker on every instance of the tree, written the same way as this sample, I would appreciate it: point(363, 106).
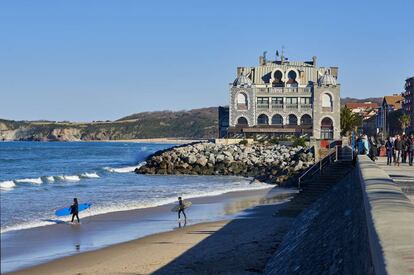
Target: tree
point(349, 121)
point(405, 121)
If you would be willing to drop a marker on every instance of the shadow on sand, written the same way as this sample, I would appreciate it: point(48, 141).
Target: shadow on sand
point(243, 245)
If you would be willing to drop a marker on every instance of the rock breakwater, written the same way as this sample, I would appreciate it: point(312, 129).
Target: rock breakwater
point(265, 162)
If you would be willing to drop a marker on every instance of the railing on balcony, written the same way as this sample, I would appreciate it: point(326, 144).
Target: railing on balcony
point(277, 106)
point(241, 107)
point(287, 90)
point(262, 106)
point(306, 106)
point(291, 106)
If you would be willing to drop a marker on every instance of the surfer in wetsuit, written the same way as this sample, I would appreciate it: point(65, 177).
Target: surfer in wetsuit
point(74, 209)
point(182, 207)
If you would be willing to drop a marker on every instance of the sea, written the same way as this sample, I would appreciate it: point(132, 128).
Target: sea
point(37, 178)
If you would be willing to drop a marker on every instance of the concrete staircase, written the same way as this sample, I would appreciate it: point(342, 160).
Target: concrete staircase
point(313, 188)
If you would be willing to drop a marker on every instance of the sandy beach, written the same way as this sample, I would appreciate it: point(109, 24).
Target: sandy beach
point(243, 236)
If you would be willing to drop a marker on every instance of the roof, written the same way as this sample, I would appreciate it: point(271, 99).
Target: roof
point(327, 79)
point(394, 100)
point(361, 105)
point(242, 80)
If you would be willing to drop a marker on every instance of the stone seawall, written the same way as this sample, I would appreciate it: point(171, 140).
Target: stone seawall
point(269, 163)
point(390, 220)
point(330, 237)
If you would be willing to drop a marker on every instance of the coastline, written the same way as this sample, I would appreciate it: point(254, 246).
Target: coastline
point(114, 231)
point(140, 140)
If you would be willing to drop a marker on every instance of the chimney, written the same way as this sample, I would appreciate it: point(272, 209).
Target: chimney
point(261, 60)
point(314, 59)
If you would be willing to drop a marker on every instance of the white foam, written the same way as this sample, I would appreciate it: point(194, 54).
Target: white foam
point(30, 180)
point(68, 178)
point(7, 185)
point(50, 179)
point(71, 178)
point(103, 209)
point(89, 175)
point(126, 169)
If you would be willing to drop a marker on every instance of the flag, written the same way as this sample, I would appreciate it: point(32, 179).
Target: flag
point(277, 53)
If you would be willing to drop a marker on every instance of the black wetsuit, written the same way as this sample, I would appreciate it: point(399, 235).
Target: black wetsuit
point(181, 210)
point(74, 210)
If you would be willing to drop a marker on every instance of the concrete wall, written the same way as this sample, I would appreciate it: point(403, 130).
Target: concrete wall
point(390, 220)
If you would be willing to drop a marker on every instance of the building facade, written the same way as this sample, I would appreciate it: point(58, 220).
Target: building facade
point(408, 103)
point(389, 105)
point(285, 97)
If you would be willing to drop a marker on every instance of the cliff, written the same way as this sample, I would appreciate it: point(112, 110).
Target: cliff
point(192, 124)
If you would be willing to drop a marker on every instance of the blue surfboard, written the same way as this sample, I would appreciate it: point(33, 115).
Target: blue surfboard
point(66, 211)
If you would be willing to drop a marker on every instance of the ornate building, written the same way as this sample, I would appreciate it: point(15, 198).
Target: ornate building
point(285, 97)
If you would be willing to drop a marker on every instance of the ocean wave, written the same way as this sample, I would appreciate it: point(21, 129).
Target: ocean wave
point(68, 178)
point(50, 178)
point(126, 169)
point(97, 209)
point(89, 175)
point(30, 180)
point(7, 185)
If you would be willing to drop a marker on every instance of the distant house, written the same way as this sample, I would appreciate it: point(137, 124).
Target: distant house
point(357, 107)
point(389, 104)
point(368, 112)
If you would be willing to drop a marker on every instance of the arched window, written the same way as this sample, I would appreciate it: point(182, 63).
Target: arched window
point(277, 120)
point(292, 120)
point(263, 120)
point(306, 120)
point(292, 79)
point(326, 128)
point(327, 103)
point(242, 121)
point(242, 103)
point(278, 79)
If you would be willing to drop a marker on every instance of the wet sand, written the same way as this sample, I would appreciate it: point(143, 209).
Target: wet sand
point(120, 237)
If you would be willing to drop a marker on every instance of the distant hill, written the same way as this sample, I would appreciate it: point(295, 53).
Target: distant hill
point(193, 124)
point(361, 100)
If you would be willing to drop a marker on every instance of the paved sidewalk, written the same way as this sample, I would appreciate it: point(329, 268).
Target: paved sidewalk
point(403, 175)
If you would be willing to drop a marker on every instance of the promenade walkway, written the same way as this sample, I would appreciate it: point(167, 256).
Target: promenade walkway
point(403, 175)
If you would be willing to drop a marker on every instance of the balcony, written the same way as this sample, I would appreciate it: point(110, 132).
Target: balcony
point(305, 106)
point(262, 106)
point(277, 106)
point(241, 106)
point(286, 90)
point(291, 106)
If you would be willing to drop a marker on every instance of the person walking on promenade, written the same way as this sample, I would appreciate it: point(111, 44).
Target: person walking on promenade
point(389, 147)
point(404, 150)
point(363, 145)
point(74, 210)
point(397, 148)
point(373, 149)
point(410, 146)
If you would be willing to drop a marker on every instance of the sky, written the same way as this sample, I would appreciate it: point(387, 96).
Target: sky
point(101, 60)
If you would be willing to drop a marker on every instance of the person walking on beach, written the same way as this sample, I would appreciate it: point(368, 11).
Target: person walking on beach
point(181, 209)
point(74, 210)
point(389, 146)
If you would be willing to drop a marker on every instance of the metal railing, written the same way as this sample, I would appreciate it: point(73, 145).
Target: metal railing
point(262, 105)
point(320, 165)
